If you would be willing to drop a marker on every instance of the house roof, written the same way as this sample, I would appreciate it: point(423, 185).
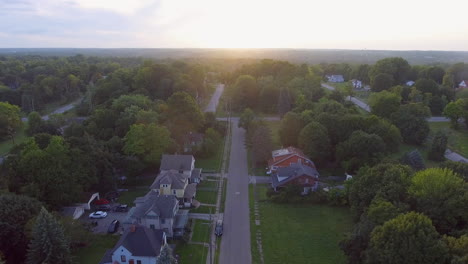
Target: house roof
point(162, 205)
point(190, 190)
point(142, 241)
point(292, 172)
point(194, 137)
point(286, 151)
point(172, 177)
point(196, 173)
point(464, 82)
point(177, 162)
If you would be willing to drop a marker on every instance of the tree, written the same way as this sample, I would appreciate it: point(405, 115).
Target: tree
point(438, 146)
point(148, 142)
point(262, 143)
point(408, 238)
point(384, 103)
point(411, 120)
point(389, 133)
point(454, 111)
point(427, 86)
point(10, 120)
point(48, 242)
point(441, 195)
point(245, 93)
point(314, 141)
point(35, 123)
point(396, 67)
point(459, 168)
point(290, 128)
point(183, 115)
point(381, 210)
point(165, 256)
point(360, 149)
point(382, 82)
point(246, 118)
point(211, 142)
point(458, 248)
point(16, 211)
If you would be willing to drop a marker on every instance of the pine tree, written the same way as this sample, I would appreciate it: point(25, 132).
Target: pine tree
point(166, 257)
point(48, 243)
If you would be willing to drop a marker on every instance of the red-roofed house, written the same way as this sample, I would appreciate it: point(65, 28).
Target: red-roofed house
point(463, 84)
point(282, 158)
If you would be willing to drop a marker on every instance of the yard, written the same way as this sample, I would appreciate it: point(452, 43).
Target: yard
point(129, 196)
point(457, 139)
point(94, 252)
point(299, 233)
point(190, 254)
point(213, 163)
point(201, 231)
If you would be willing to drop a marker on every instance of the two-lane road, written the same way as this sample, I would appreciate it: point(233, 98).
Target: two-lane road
point(235, 244)
point(211, 107)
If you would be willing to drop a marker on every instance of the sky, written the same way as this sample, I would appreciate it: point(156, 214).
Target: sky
point(309, 24)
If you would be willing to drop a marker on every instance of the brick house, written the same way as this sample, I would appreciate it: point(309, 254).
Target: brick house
point(282, 158)
point(296, 174)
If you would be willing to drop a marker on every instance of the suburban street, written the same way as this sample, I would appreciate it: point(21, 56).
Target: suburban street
point(211, 107)
point(235, 244)
point(59, 110)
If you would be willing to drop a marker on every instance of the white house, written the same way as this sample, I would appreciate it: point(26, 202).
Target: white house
point(138, 245)
point(463, 84)
point(335, 78)
point(357, 84)
point(410, 83)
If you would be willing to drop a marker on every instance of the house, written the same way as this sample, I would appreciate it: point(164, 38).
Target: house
point(357, 84)
point(193, 142)
point(296, 174)
point(284, 157)
point(184, 164)
point(138, 245)
point(335, 78)
point(410, 83)
point(463, 84)
point(157, 211)
point(174, 183)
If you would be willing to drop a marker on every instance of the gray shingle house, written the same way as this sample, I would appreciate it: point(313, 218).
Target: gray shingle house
point(184, 164)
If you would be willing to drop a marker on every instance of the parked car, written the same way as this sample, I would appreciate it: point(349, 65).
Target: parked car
point(98, 214)
point(122, 208)
point(219, 228)
point(113, 227)
point(104, 207)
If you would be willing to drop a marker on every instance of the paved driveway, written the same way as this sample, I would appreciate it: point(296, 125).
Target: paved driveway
point(235, 245)
point(103, 224)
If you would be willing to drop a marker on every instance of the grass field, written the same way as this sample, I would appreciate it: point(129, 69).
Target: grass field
point(457, 139)
point(20, 137)
point(94, 252)
point(300, 233)
point(201, 231)
point(214, 162)
point(208, 197)
point(129, 197)
point(190, 254)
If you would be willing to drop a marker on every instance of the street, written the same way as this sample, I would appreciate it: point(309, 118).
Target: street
point(211, 107)
point(235, 244)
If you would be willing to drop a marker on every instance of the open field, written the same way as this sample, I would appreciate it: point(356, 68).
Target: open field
point(299, 233)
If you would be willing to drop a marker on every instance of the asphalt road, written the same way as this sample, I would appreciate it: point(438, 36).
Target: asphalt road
point(211, 107)
point(59, 110)
point(235, 244)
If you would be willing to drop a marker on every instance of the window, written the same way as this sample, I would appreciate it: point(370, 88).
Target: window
point(123, 258)
point(163, 221)
point(152, 227)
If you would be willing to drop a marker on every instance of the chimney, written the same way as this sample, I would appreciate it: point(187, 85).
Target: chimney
point(132, 228)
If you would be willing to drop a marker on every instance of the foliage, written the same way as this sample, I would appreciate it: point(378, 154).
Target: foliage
point(380, 211)
point(246, 118)
point(16, 212)
point(459, 168)
point(165, 256)
point(440, 194)
point(411, 121)
point(314, 141)
point(458, 248)
point(408, 238)
point(246, 92)
point(413, 159)
point(382, 82)
point(148, 142)
point(384, 103)
point(438, 146)
point(396, 67)
point(48, 242)
point(454, 111)
point(10, 120)
point(261, 142)
point(290, 128)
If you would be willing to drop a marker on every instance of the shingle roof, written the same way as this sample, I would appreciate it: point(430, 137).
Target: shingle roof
point(190, 190)
point(142, 242)
point(196, 173)
point(162, 205)
point(172, 177)
point(176, 162)
point(292, 172)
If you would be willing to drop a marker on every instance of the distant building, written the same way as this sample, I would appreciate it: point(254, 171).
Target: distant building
point(410, 83)
point(463, 84)
point(296, 174)
point(284, 157)
point(335, 78)
point(357, 84)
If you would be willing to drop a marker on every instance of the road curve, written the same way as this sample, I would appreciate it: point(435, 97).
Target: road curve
point(235, 244)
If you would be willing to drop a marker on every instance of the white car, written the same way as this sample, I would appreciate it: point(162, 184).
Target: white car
point(98, 214)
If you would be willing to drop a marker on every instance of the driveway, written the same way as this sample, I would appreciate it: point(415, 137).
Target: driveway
point(103, 223)
point(211, 107)
point(235, 245)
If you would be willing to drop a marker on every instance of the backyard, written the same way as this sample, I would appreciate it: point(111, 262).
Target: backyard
point(94, 252)
point(457, 139)
point(212, 163)
point(299, 233)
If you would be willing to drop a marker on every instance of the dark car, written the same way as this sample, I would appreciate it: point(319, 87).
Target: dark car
point(219, 228)
point(113, 227)
point(104, 207)
point(122, 208)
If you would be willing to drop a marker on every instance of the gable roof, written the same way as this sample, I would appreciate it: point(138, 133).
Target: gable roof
point(177, 162)
point(172, 177)
point(463, 83)
point(142, 241)
point(196, 173)
point(292, 172)
point(162, 205)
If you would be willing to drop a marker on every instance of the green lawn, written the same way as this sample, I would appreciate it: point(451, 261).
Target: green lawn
point(204, 210)
point(201, 231)
point(190, 254)
point(208, 184)
point(457, 139)
point(129, 197)
point(94, 252)
point(424, 149)
point(300, 233)
point(214, 162)
point(208, 197)
point(20, 137)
